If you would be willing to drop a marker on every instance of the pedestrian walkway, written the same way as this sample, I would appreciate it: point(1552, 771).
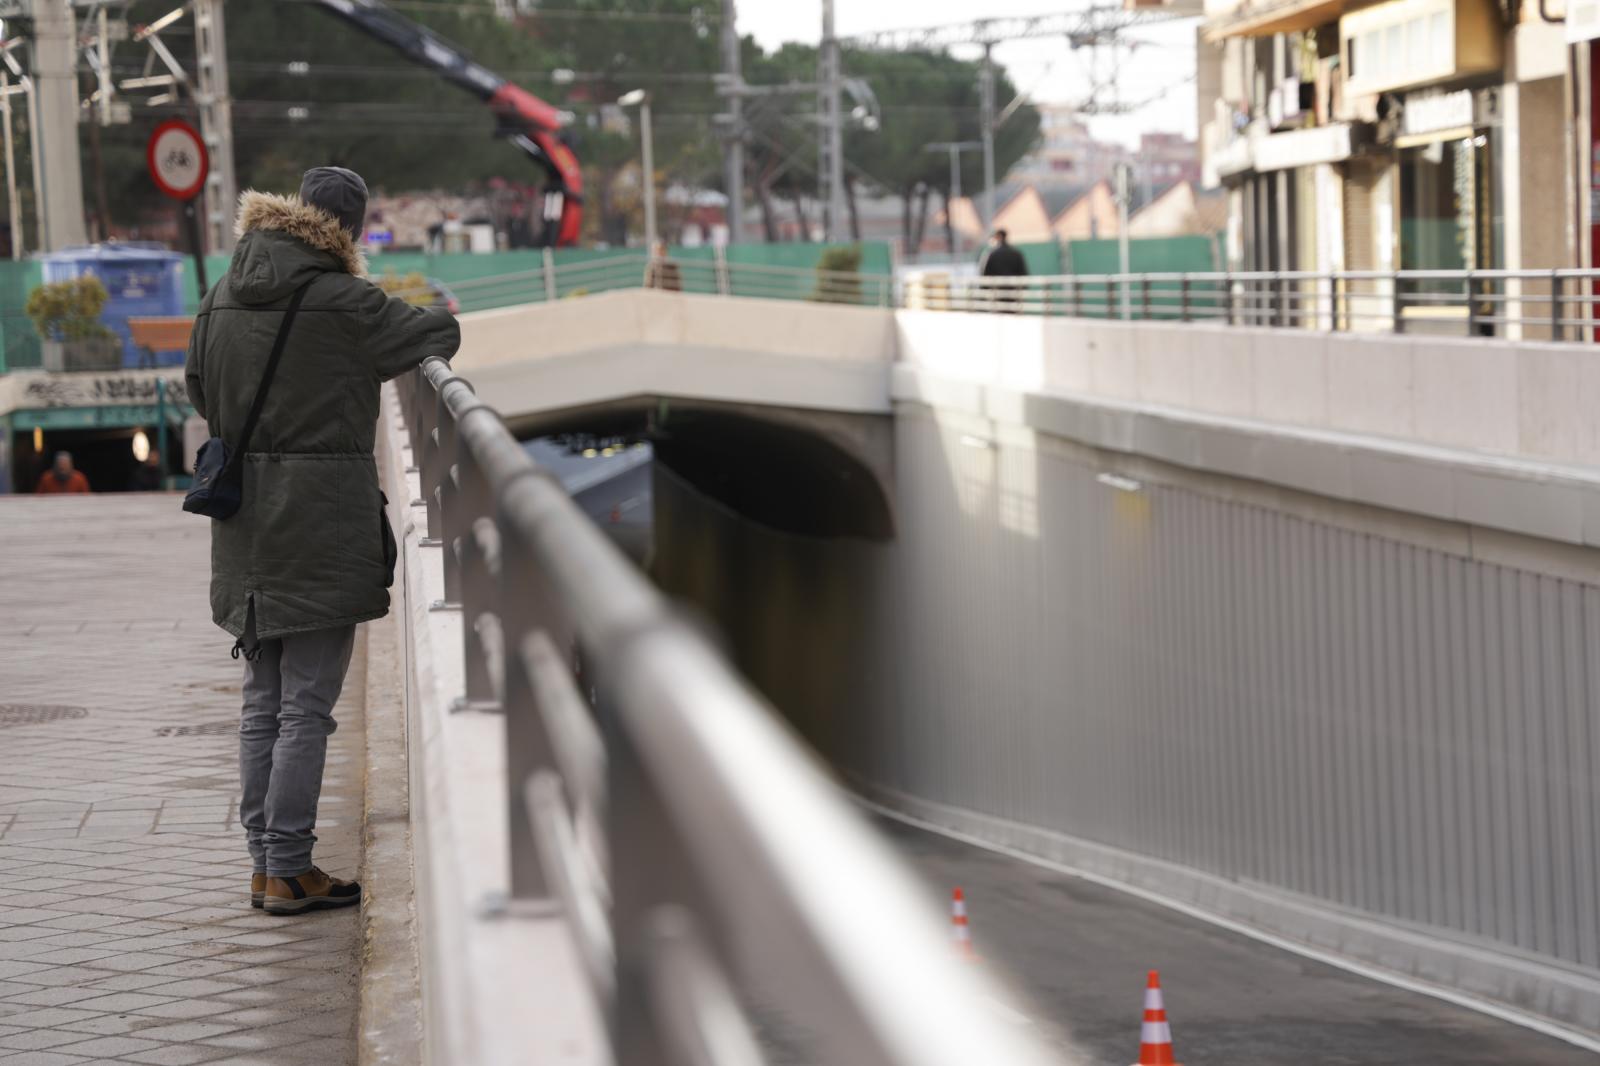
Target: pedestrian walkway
point(126, 932)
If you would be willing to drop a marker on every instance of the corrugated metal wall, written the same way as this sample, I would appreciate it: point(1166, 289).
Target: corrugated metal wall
point(1381, 726)
point(1376, 725)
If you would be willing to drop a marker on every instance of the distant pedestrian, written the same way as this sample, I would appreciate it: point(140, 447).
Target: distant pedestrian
point(661, 272)
point(148, 475)
point(63, 478)
point(310, 553)
point(1004, 260)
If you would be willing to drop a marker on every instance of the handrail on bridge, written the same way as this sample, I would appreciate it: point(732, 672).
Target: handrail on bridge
point(691, 842)
point(1557, 304)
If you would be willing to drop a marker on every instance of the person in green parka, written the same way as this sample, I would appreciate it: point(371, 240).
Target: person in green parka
point(310, 553)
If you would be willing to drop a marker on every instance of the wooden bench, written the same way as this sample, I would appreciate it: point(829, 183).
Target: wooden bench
point(163, 334)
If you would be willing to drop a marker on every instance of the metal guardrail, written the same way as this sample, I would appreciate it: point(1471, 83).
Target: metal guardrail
point(716, 277)
point(1562, 305)
point(1538, 304)
point(720, 889)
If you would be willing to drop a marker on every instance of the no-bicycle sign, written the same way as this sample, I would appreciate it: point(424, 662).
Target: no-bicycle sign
point(177, 159)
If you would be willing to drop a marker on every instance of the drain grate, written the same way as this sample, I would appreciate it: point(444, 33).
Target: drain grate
point(15, 714)
point(200, 729)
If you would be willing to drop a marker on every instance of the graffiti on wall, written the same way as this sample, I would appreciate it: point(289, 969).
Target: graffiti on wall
point(93, 390)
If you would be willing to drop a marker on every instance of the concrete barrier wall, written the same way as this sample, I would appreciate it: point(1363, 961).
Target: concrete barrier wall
point(1340, 725)
point(644, 317)
point(501, 982)
point(1169, 603)
point(1527, 399)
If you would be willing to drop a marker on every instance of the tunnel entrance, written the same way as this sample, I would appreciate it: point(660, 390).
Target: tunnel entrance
point(774, 472)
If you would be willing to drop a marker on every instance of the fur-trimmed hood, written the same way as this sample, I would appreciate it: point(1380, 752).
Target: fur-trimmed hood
point(261, 212)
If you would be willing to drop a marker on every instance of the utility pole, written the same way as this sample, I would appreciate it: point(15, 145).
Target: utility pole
point(216, 122)
point(1124, 194)
point(831, 142)
point(13, 205)
point(955, 148)
point(733, 144)
point(986, 121)
point(55, 62)
point(649, 175)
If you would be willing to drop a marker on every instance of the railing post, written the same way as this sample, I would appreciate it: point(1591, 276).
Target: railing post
point(1227, 298)
point(1144, 294)
point(522, 611)
point(724, 283)
point(549, 274)
point(480, 582)
point(1183, 297)
point(1397, 304)
point(1557, 307)
point(1472, 305)
point(1074, 305)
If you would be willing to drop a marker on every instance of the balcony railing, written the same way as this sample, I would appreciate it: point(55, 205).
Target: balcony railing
point(718, 886)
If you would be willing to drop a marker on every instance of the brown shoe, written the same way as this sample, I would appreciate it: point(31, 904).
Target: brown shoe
point(258, 889)
point(312, 890)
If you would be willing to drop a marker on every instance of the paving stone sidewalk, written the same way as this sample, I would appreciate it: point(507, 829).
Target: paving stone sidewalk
point(126, 933)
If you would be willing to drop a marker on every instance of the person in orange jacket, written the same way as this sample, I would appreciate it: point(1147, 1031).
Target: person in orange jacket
point(63, 477)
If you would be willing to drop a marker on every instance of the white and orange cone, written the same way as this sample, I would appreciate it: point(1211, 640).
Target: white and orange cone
point(1155, 1036)
point(958, 925)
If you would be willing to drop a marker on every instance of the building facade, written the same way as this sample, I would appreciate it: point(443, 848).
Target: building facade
point(1420, 135)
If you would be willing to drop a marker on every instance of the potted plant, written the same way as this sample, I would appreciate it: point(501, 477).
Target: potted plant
point(67, 316)
point(839, 276)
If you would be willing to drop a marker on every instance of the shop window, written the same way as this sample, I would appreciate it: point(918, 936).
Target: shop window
point(1449, 216)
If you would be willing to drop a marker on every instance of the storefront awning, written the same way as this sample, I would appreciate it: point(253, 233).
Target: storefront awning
point(1262, 19)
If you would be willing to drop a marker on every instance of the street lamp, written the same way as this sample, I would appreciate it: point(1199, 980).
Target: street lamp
point(641, 99)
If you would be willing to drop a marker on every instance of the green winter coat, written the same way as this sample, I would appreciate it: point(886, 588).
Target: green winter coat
point(310, 546)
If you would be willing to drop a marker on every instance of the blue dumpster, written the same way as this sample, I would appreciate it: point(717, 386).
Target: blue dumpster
point(142, 280)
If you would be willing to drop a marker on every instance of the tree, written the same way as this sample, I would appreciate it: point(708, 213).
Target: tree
point(356, 103)
point(925, 97)
point(669, 48)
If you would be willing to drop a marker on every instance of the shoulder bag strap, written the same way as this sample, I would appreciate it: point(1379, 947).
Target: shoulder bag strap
point(266, 375)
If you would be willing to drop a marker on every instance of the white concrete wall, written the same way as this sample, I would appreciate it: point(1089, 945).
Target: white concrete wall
point(650, 317)
point(1525, 399)
point(501, 982)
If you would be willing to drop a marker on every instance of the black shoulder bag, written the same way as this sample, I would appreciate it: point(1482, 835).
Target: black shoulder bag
point(218, 471)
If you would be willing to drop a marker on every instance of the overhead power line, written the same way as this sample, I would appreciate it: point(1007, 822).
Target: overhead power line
point(568, 14)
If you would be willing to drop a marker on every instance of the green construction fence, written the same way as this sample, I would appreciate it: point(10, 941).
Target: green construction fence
point(521, 271)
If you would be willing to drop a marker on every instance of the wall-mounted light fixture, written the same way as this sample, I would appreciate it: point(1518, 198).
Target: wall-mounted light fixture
point(1120, 483)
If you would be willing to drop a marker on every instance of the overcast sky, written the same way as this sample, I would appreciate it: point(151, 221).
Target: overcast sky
point(1046, 69)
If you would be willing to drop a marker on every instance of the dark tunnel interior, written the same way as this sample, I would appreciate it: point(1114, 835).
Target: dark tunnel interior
point(784, 477)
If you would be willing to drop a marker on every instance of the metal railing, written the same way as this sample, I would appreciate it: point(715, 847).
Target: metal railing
point(712, 277)
point(719, 888)
point(1562, 305)
point(1531, 304)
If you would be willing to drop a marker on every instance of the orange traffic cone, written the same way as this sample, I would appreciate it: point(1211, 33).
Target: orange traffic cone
point(958, 925)
point(1155, 1036)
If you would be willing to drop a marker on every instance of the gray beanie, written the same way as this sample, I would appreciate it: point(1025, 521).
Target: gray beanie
point(339, 192)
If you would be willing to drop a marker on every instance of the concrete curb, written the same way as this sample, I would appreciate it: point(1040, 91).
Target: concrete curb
point(389, 1030)
point(1558, 1001)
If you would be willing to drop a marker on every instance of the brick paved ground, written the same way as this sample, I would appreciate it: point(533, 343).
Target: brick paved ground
point(126, 933)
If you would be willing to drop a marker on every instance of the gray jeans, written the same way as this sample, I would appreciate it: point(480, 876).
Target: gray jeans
point(289, 693)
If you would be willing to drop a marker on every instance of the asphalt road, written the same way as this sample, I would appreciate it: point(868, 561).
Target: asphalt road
point(1077, 955)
